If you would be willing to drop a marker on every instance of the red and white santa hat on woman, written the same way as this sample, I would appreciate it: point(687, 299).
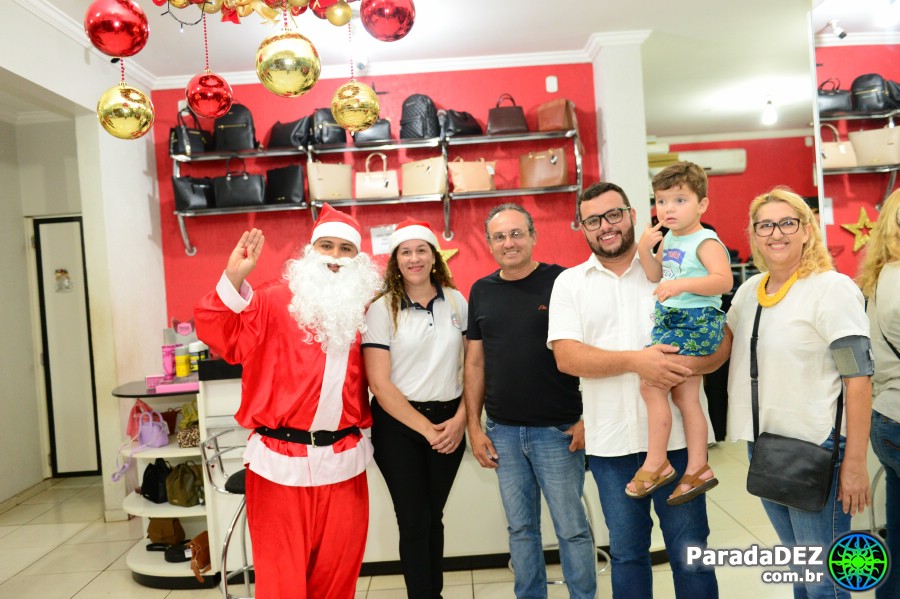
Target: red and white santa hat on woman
point(333, 223)
point(409, 229)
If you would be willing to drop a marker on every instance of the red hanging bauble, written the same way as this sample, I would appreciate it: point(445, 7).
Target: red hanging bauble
point(209, 95)
point(319, 8)
point(298, 10)
point(387, 20)
point(116, 27)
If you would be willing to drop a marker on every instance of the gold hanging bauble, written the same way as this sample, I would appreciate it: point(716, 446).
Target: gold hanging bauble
point(125, 112)
point(339, 14)
point(355, 106)
point(212, 6)
point(298, 3)
point(287, 64)
point(180, 3)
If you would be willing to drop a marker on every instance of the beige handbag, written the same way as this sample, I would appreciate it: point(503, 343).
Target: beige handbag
point(424, 177)
point(837, 153)
point(377, 184)
point(876, 147)
point(329, 181)
point(543, 169)
point(477, 175)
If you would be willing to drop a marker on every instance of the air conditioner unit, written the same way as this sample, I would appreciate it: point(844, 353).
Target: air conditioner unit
point(714, 162)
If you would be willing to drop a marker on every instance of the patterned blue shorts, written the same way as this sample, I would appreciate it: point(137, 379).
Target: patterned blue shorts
point(694, 331)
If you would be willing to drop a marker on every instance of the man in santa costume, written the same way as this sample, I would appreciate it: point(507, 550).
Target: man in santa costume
point(304, 396)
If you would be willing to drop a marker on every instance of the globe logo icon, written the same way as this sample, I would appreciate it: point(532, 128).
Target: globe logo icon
point(858, 561)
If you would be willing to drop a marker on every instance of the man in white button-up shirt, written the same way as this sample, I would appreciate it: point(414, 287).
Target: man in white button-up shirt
point(601, 313)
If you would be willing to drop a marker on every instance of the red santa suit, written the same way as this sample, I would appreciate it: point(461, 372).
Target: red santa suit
point(307, 506)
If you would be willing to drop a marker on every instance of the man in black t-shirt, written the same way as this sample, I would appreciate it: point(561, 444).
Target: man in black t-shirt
point(534, 434)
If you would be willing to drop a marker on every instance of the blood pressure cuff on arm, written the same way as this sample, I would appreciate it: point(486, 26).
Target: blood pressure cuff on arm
point(853, 356)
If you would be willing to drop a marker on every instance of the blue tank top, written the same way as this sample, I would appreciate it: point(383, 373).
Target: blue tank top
point(680, 261)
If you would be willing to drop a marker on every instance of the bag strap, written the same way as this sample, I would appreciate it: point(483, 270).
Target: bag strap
point(504, 97)
point(833, 82)
point(883, 336)
point(383, 161)
point(754, 390)
point(837, 135)
point(243, 170)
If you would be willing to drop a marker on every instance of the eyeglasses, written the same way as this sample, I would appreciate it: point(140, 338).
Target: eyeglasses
point(592, 223)
point(515, 235)
point(766, 228)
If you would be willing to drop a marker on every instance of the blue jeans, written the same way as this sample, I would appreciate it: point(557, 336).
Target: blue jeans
point(629, 524)
point(886, 445)
point(801, 527)
point(534, 459)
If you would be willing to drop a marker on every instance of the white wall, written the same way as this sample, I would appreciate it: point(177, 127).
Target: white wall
point(115, 185)
point(20, 467)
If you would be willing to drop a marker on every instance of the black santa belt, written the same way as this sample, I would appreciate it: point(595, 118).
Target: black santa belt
point(314, 438)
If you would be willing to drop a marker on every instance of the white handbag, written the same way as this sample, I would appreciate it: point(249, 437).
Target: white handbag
point(877, 147)
point(377, 184)
point(424, 177)
point(329, 181)
point(837, 153)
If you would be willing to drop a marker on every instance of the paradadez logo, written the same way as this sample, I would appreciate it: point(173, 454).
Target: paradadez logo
point(858, 561)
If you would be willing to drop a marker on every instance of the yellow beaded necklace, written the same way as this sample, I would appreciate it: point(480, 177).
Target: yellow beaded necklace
point(767, 301)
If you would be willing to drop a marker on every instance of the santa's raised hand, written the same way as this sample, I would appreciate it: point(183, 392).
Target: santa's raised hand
point(244, 256)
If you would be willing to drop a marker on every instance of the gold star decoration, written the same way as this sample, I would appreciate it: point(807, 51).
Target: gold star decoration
point(447, 254)
point(860, 230)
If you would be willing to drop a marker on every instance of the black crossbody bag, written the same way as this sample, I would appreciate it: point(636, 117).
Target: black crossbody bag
point(785, 470)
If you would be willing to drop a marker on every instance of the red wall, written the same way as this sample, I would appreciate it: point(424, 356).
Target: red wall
point(852, 192)
point(187, 278)
point(770, 162)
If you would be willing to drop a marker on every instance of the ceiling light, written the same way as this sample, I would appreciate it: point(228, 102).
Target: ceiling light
point(835, 29)
point(769, 114)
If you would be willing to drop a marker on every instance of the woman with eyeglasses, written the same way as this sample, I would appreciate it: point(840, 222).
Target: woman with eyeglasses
point(879, 278)
point(810, 317)
point(413, 352)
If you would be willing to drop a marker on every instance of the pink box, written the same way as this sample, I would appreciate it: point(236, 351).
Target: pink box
point(189, 387)
point(153, 380)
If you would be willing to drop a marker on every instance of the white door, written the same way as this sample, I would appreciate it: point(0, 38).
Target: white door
point(67, 357)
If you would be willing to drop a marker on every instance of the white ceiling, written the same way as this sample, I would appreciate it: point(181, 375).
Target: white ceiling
point(708, 66)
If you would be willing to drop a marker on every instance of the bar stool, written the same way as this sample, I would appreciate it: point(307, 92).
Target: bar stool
point(233, 484)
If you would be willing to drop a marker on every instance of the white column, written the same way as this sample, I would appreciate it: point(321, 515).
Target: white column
point(621, 125)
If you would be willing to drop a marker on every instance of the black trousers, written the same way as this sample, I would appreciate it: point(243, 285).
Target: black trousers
point(419, 481)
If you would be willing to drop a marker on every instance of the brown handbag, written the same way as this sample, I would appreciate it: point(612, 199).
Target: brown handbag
point(506, 119)
point(471, 176)
point(543, 169)
point(556, 115)
point(200, 560)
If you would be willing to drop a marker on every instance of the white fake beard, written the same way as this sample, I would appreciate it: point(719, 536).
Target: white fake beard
point(330, 307)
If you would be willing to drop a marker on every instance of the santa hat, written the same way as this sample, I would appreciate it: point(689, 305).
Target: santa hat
point(333, 223)
point(411, 229)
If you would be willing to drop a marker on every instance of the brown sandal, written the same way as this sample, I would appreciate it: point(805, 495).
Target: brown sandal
point(656, 479)
point(697, 484)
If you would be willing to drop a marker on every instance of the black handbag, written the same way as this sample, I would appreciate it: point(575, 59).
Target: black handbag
point(456, 123)
point(290, 135)
point(285, 185)
point(239, 188)
point(418, 118)
point(193, 193)
point(187, 141)
point(326, 131)
point(506, 119)
point(784, 470)
point(379, 132)
point(234, 130)
point(831, 98)
point(153, 482)
point(870, 94)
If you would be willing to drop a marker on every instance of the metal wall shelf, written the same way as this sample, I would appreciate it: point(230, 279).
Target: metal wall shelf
point(312, 150)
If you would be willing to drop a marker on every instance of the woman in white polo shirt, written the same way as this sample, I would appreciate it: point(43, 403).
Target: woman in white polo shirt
point(413, 351)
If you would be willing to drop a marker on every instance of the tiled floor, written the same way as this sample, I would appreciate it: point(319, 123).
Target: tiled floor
point(55, 545)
